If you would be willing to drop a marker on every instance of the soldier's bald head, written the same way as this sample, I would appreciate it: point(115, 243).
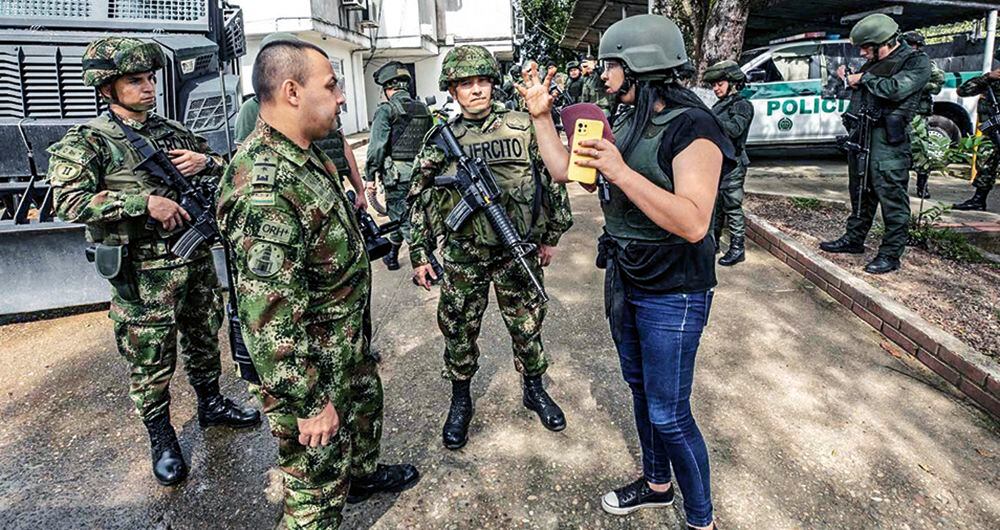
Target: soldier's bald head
point(281, 61)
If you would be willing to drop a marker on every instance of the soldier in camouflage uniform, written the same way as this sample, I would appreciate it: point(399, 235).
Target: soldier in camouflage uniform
point(919, 137)
point(986, 166)
point(397, 133)
point(304, 283)
point(474, 258)
point(735, 114)
point(158, 299)
point(335, 145)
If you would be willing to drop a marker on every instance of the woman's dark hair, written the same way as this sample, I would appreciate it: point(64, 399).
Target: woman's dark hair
point(647, 93)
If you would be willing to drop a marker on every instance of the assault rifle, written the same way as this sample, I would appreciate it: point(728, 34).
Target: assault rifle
point(991, 127)
point(480, 191)
point(859, 143)
point(198, 201)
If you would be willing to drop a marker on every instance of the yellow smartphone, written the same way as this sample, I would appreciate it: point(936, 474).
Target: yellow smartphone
point(584, 130)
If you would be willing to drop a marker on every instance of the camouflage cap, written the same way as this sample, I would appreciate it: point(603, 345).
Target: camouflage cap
point(724, 71)
point(572, 64)
point(467, 61)
point(391, 71)
point(108, 58)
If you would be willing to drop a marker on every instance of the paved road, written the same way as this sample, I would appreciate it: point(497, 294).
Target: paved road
point(810, 423)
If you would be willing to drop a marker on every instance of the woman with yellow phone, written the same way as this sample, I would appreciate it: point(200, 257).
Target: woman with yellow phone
point(664, 170)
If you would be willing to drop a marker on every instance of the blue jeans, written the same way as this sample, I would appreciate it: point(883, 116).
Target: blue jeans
point(657, 338)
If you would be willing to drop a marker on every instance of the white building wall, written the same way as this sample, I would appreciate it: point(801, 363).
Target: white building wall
point(262, 17)
point(479, 20)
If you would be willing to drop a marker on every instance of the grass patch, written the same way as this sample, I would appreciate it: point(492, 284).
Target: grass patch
point(945, 242)
point(806, 203)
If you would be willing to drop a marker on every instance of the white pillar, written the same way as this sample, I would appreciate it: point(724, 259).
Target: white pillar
point(991, 36)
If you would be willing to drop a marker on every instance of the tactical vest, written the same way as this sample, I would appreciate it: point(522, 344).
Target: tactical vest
point(889, 67)
point(505, 148)
point(623, 219)
point(163, 134)
point(722, 108)
point(333, 147)
point(406, 137)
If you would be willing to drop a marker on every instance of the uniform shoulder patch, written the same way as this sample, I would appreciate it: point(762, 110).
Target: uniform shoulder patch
point(265, 259)
point(275, 231)
point(71, 152)
point(262, 198)
point(62, 171)
point(265, 171)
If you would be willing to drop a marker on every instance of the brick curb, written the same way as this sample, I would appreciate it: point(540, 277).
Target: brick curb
point(970, 371)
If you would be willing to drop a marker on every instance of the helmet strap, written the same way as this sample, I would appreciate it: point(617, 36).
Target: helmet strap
point(627, 83)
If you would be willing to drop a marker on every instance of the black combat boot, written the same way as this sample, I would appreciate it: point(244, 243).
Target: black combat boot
point(537, 399)
point(438, 269)
point(391, 259)
point(882, 265)
point(735, 254)
point(169, 467)
point(843, 245)
point(977, 202)
point(393, 479)
point(456, 427)
point(216, 409)
point(922, 191)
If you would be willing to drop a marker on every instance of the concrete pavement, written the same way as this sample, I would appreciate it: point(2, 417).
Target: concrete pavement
point(810, 422)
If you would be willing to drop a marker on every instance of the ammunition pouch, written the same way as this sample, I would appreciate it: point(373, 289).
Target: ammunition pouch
point(112, 264)
point(896, 128)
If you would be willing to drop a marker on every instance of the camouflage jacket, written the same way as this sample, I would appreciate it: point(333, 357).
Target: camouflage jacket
point(91, 174)
point(332, 145)
point(431, 205)
point(977, 87)
point(300, 262)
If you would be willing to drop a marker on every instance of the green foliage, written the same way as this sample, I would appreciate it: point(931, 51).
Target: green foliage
point(967, 147)
point(925, 232)
point(544, 24)
point(805, 203)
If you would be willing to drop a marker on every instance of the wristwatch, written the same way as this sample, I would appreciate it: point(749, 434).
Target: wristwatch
point(210, 164)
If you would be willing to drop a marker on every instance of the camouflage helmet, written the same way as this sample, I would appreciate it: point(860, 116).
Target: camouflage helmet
point(914, 38)
point(467, 61)
point(647, 45)
point(572, 64)
point(111, 57)
point(724, 71)
point(392, 71)
point(874, 30)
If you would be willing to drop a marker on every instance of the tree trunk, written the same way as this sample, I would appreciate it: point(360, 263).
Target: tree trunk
point(690, 18)
point(723, 35)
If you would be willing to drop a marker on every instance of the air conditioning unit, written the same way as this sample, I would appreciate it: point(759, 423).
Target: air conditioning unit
point(354, 4)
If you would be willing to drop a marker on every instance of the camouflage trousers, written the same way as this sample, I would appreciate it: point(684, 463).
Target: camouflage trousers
point(395, 205)
point(316, 479)
point(469, 269)
point(986, 168)
point(176, 305)
point(920, 143)
point(729, 203)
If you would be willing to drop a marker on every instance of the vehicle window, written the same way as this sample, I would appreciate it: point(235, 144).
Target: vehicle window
point(798, 63)
point(836, 55)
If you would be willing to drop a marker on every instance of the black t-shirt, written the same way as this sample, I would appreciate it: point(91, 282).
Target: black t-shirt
point(679, 266)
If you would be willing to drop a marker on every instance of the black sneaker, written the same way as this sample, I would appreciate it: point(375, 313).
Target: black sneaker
point(636, 495)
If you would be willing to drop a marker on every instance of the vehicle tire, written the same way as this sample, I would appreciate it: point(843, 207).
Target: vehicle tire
point(941, 126)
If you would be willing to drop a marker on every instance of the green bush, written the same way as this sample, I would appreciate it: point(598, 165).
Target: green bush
point(926, 233)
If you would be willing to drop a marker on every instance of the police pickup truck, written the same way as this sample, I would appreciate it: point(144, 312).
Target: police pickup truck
point(798, 98)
